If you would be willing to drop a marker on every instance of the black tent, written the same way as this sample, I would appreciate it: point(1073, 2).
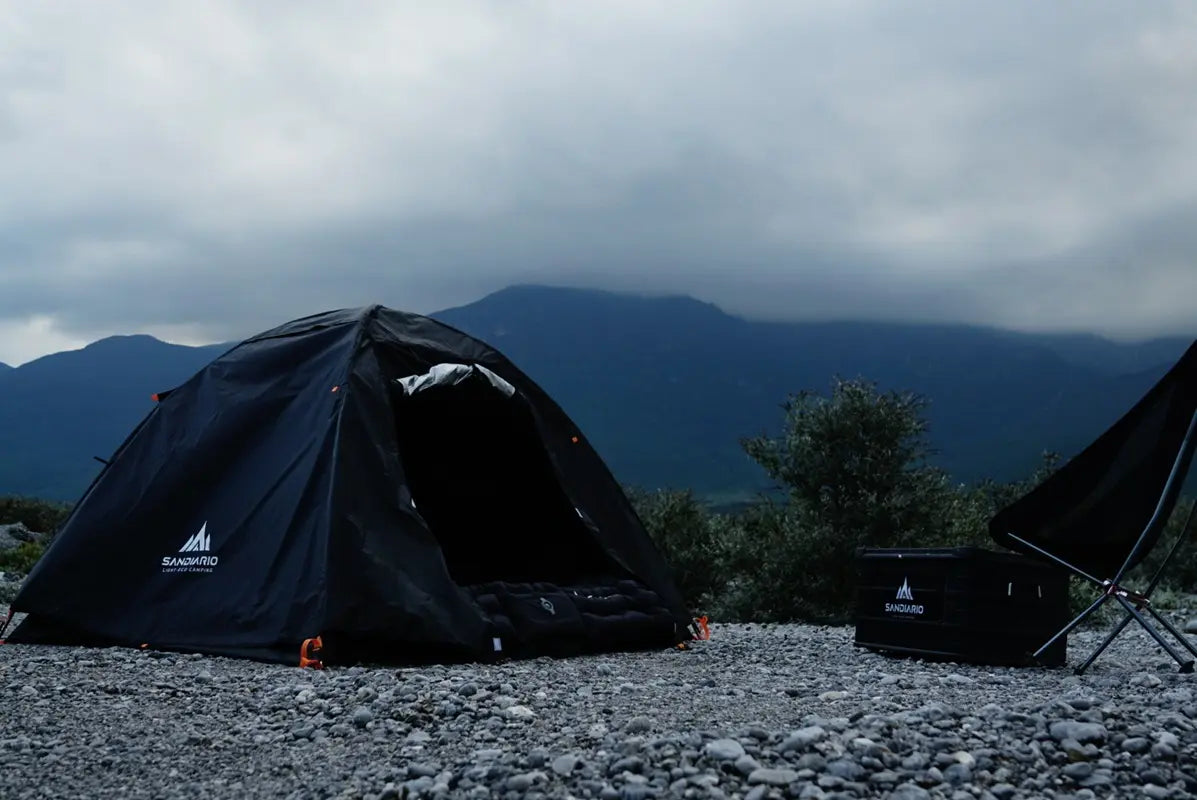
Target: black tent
point(1101, 514)
point(368, 481)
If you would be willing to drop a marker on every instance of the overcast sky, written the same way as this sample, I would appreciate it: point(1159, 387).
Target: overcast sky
point(203, 171)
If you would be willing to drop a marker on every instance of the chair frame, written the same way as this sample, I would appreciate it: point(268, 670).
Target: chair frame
point(1135, 603)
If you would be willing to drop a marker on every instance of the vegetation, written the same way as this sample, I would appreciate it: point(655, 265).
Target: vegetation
point(39, 516)
point(852, 469)
point(36, 515)
point(21, 558)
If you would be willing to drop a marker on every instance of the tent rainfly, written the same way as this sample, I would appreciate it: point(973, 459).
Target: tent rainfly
point(358, 485)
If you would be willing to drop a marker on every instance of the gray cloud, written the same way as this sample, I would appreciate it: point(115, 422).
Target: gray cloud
point(206, 171)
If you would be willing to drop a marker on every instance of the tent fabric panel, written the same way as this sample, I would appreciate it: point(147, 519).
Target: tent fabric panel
point(208, 529)
point(388, 578)
point(1091, 511)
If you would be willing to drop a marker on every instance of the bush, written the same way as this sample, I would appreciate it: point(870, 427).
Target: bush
point(855, 464)
point(21, 558)
point(40, 516)
point(853, 470)
point(37, 515)
point(692, 540)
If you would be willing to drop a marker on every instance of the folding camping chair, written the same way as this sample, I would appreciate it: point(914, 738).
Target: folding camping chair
point(1101, 514)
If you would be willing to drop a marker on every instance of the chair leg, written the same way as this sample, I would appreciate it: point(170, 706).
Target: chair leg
point(1180, 637)
point(1126, 620)
point(1185, 666)
point(1067, 629)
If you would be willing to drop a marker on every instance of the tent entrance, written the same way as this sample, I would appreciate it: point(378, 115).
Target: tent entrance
point(481, 479)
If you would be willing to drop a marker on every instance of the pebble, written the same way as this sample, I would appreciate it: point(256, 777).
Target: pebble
point(1078, 731)
point(638, 725)
point(1136, 745)
point(803, 738)
point(755, 712)
point(773, 777)
point(564, 765)
point(724, 749)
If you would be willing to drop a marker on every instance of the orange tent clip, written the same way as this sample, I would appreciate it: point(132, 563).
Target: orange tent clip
point(310, 652)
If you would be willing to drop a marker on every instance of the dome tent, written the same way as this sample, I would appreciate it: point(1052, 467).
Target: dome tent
point(368, 480)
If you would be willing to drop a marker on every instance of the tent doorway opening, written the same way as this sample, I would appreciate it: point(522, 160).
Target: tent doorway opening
point(482, 481)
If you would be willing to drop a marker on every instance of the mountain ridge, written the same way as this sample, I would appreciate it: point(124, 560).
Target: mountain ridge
point(773, 359)
point(665, 386)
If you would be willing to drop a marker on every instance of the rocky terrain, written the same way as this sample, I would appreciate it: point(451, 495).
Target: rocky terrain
point(756, 712)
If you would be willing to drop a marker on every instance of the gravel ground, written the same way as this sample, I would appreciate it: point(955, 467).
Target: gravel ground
point(756, 712)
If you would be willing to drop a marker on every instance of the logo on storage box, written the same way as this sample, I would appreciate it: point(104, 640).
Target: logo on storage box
point(907, 607)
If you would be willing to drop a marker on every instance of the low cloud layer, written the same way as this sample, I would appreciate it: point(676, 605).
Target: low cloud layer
point(205, 171)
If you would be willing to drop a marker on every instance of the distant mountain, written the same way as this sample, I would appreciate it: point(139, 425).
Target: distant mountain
point(1103, 356)
point(59, 411)
point(665, 387)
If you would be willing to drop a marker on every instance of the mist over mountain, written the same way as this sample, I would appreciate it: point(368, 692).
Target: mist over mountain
point(665, 387)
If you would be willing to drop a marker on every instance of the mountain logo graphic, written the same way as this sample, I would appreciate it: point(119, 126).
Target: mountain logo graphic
point(200, 543)
point(905, 604)
point(196, 559)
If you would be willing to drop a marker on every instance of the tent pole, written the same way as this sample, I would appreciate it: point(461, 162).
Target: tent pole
point(1180, 467)
point(1126, 620)
point(1151, 587)
point(1180, 539)
point(1075, 570)
point(1068, 628)
point(1184, 533)
point(1184, 640)
point(1185, 666)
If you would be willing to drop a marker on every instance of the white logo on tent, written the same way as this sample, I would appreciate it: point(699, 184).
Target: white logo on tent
point(200, 543)
point(547, 605)
point(904, 592)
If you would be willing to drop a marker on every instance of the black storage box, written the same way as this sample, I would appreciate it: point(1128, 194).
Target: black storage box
point(961, 603)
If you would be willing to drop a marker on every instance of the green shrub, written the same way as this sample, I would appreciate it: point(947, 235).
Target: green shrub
point(691, 539)
point(855, 464)
point(782, 569)
point(37, 515)
point(40, 516)
point(21, 558)
point(851, 471)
